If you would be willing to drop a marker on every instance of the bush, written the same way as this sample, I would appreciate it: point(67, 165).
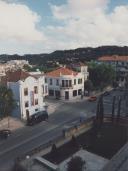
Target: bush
point(76, 164)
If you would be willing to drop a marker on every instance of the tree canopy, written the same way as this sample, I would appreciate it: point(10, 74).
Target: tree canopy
point(7, 102)
point(76, 164)
point(101, 75)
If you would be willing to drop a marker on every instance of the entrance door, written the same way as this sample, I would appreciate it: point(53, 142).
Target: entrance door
point(57, 94)
point(66, 95)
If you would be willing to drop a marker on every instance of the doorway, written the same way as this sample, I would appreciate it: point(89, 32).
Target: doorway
point(66, 95)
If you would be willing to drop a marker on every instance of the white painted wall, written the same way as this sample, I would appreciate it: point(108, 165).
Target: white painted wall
point(18, 91)
point(69, 89)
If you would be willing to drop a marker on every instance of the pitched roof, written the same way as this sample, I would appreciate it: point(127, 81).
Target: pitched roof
point(113, 58)
point(16, 76)
point(61, 71)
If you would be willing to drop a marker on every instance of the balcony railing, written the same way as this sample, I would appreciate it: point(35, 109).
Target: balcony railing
point(66, 87)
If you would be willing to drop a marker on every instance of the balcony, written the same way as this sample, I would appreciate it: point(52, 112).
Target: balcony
point(66, 87)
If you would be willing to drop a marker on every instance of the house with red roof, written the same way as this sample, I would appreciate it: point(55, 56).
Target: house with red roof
point(65, 83)
point(120, 63)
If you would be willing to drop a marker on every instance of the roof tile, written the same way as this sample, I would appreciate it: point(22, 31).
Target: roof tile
point(61, 71)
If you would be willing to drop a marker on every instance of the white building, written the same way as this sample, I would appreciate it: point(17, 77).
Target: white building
point(81, 67)
point(18, 62)
point(29, 92)
point(12, 65)
point(64, 83)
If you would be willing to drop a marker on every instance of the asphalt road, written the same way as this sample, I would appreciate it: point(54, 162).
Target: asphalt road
point(28, 138)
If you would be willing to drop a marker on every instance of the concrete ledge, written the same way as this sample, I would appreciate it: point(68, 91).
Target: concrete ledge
point(46, 163)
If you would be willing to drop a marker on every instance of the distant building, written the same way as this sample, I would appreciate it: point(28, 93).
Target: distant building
point(18, 62)
point(81, 67)
point(12, 65)
point(120, 64)
point(66, 84)
point(29, 92)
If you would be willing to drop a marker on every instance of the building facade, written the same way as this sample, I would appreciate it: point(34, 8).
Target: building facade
point(66, 84)
point(29, 92)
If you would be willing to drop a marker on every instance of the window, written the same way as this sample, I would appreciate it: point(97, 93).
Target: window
point(80, 81)
point(45, 80)
point(66, 83)
point(80, 92)
point(50, 81)
point(70, 83)
point(26, 104)
point(51, 92)
point(74, 81)
point(46, 89)
point(57, 82)
point(36, 101)
point(35, 90)
point(62, 83)
point(36, 110)
point(43, 88)
point(26, 91)
point(74, 93)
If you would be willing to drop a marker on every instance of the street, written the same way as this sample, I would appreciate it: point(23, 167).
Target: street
point(27, 138)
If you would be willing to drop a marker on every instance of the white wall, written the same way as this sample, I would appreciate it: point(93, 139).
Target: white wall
point(18, 91)
point(69, 89)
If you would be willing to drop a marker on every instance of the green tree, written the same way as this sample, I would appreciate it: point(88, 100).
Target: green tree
point(7, 102)
point(76, 164)
point(101, 75)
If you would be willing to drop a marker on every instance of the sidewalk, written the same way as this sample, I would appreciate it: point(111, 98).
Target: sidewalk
point(14, 124)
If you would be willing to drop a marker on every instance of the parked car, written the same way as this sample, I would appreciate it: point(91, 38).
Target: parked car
point(106, 93)
point(5, 133)
point(37, 117)
point(92, 98)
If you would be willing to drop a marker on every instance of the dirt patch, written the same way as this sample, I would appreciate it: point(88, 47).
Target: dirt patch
point(11, 123)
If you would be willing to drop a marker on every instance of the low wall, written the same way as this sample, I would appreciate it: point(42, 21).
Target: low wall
point(78, 128)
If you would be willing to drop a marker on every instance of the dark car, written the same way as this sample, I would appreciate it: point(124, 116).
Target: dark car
point(5, 133)
point(37, 117)
point(106, 93)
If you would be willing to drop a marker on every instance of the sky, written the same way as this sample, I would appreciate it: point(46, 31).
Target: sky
point(42, 26)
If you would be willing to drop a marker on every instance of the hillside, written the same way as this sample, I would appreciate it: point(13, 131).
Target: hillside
point(64, 56)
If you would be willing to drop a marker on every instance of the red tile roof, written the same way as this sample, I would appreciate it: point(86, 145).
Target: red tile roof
point(113, 58)
point(61, 71)
point(16, 76)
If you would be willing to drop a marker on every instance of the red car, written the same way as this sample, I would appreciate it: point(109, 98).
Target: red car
point(92, 98)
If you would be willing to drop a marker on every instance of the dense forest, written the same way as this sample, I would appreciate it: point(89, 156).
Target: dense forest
point(64, 56)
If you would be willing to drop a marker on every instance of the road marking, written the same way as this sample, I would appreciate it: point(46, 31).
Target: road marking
point(37, 135)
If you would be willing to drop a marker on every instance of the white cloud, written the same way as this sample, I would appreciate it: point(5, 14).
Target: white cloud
point(88, 23)
point(18, 23)
point(82, 23)
point(78, 8)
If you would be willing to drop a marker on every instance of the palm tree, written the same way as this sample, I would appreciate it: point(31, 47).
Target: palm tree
point(100, 110)
point(113, 107)
point(119, 108)
point(7, 102)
